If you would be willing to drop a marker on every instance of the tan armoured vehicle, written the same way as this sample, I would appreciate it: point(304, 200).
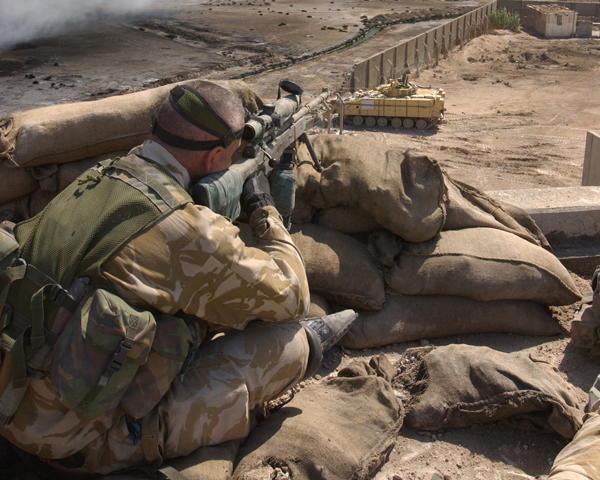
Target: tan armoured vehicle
point(399, 103)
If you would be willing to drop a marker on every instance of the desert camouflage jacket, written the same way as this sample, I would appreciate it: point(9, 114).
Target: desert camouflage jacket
point(193, 260)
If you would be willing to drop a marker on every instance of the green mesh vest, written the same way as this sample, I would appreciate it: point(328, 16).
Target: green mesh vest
point(71, 238)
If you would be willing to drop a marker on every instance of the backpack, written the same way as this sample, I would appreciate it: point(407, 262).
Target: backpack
point(98, 350)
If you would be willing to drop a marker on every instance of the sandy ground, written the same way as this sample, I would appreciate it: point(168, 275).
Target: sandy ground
point(483, 452)
point(518, 109)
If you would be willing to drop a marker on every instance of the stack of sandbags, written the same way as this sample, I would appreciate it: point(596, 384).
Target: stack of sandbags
point(449, 259)
point(339, 267)
point(43, 150)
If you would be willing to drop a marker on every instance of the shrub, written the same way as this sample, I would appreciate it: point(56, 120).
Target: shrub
point(502, 18)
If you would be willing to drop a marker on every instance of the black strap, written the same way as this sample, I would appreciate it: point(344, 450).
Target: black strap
point(185, 143)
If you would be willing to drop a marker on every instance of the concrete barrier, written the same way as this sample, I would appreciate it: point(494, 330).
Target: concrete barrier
point(420, 51)
point(570, 219)
point(591, 163)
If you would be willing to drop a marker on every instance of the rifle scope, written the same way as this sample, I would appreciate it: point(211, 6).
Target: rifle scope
point(272, 115)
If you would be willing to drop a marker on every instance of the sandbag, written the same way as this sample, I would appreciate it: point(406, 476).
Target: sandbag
point(15, 182)
point(468, 207)
point(345, 220)
point(53, 179)
point(338, 429)
point(400, 191)
point(319, 306)
point(339, 267)
point(10, 211)
point(462, 385)
point(408, 318)
point(74, 131)
point(208, 463)
point(483, 264)
point(303, 212)
point(384, 246)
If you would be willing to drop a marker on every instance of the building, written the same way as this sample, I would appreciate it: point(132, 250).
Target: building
point(551, 20)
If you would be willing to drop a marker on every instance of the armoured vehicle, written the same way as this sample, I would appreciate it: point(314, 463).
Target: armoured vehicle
point(399, 103)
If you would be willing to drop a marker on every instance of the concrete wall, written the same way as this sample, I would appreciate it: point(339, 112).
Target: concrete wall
point(591, 163)
point(584, 9)
point(420, 51)
point(569, 217)
point(551, 23)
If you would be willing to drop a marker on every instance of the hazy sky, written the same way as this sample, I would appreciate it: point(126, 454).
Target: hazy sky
point(27, 20)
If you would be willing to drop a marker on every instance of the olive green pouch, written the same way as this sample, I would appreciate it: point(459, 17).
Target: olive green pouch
point(99, 353)
point(175, 343)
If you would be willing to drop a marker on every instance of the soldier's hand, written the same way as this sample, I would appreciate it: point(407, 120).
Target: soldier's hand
point(256, 193)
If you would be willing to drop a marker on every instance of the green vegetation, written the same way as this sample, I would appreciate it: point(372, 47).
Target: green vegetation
point(502, 18)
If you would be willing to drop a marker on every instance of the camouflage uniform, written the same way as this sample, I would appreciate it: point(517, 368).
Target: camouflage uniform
point(580, 459)
point(192, 261)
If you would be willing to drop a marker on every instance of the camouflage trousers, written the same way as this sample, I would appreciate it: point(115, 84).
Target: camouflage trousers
point(230, 376)
point(580, 459)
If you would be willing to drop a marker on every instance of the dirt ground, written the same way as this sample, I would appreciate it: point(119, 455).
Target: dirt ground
point(518, 109)
point(491, 451)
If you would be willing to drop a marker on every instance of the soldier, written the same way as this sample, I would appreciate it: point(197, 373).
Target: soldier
point(130, 227)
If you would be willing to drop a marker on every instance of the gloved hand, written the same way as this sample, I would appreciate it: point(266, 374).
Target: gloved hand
point(256, 193)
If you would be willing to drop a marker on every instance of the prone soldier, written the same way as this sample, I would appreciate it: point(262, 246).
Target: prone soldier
point(136, 325)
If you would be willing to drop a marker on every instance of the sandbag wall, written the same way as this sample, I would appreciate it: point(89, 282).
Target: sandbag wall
point(418, 254)
point(43, 150)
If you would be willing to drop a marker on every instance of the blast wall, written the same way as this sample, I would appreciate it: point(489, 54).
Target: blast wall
point(591, 163)
point(420, 51)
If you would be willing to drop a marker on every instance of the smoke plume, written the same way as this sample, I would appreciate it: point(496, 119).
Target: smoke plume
point(27, 20)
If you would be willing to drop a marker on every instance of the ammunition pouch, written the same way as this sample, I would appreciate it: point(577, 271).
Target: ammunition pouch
point(106, 352)
point(94, 348)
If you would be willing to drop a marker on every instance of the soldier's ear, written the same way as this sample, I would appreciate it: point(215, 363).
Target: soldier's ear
point(214, 156)
point(214, 160)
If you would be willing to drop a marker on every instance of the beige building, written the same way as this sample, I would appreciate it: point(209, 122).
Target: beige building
point(551, 20)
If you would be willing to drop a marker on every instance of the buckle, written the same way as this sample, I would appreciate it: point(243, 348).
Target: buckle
point(119, 358)
point(57, 294)
point(33, 372)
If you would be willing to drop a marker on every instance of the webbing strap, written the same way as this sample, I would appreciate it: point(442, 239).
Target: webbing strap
point(139, 173)
point(117, 361)
point(15, 390)
point(7, 277)
point(37, 337)
point(19, 366)
point(15, 342)
point(49, 289)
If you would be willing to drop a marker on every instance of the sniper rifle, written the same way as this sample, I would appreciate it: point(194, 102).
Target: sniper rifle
point(272, 133)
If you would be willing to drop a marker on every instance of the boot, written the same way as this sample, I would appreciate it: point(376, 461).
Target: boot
point(323, 333)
